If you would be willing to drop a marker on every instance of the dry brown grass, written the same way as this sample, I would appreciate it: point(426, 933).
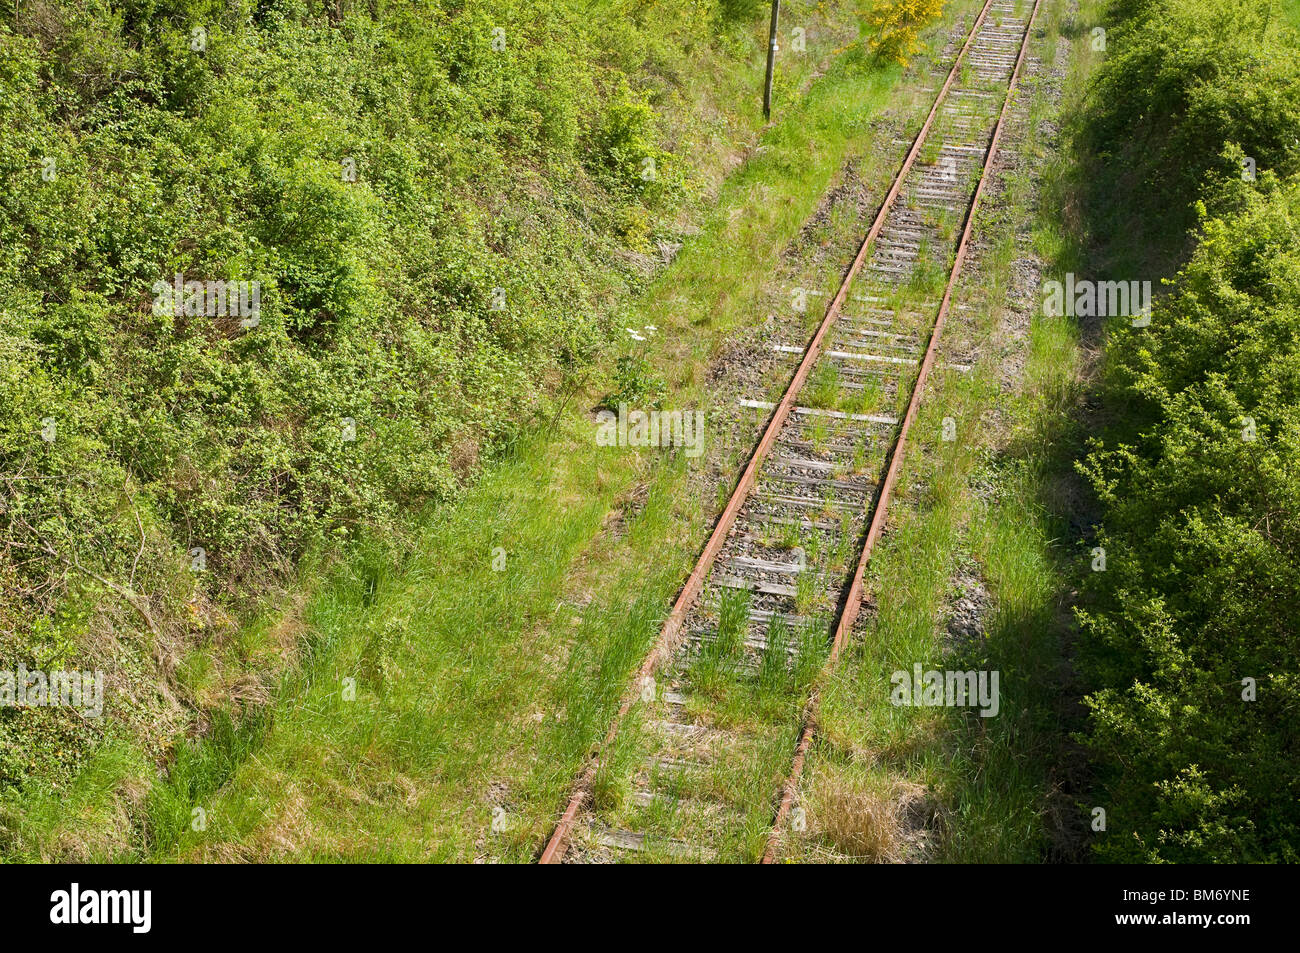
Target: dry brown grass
point(856, 816)
point(868, 817)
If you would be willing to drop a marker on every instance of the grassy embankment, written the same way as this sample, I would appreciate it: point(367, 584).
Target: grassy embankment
point(380, 173)
point(460, 670)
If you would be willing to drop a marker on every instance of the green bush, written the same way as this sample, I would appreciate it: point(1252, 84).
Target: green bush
point(415, 298)
point(1184, 78)
point(1201, 525)
point(1197, 471)
point(742, 11)
point(635, 384)
point(436, 203)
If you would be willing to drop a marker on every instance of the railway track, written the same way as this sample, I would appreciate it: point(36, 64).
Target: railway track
point(702, 741)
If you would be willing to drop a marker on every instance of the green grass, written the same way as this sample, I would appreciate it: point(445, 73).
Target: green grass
point(452, 661)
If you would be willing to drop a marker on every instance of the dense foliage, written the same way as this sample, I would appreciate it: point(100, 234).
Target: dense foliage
point(1192, 632)
point(442, 205)
point(1181, 79)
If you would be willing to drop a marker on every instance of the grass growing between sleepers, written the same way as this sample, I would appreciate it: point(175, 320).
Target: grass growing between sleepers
point(977, 520)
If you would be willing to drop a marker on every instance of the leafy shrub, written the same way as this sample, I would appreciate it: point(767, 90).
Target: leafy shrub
point(627, 150)
point(635, 384)
point(1201, 526)
point(741, 11)
point(1184, 78)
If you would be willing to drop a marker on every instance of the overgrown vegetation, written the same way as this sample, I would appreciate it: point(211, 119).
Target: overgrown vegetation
point(1189, 634)
point(409, 616)
point(444, 209)
point(450, 211)
point(1180, 80)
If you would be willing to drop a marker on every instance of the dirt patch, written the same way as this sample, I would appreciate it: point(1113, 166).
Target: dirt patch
point(967, 612)
point(625, 510)
point(849, 194)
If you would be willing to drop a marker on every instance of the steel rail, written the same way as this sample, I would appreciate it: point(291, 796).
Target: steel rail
point(669, 636)
point(853, 603)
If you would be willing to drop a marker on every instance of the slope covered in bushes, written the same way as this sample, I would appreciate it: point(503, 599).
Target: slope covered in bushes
point(1182, 78)
point(1191, 640)
point(441, 208)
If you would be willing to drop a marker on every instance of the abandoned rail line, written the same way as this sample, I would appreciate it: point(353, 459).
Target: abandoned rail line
point(788, 555)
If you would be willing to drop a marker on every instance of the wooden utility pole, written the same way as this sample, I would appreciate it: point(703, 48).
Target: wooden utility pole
point(771, 61)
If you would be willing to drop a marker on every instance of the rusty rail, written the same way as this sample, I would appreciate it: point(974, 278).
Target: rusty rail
point(669, 636)
point(853, 603)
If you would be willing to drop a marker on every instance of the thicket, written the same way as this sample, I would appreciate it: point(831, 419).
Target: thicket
point(1181, 79)
point(442, 204)
point(1191, 634)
